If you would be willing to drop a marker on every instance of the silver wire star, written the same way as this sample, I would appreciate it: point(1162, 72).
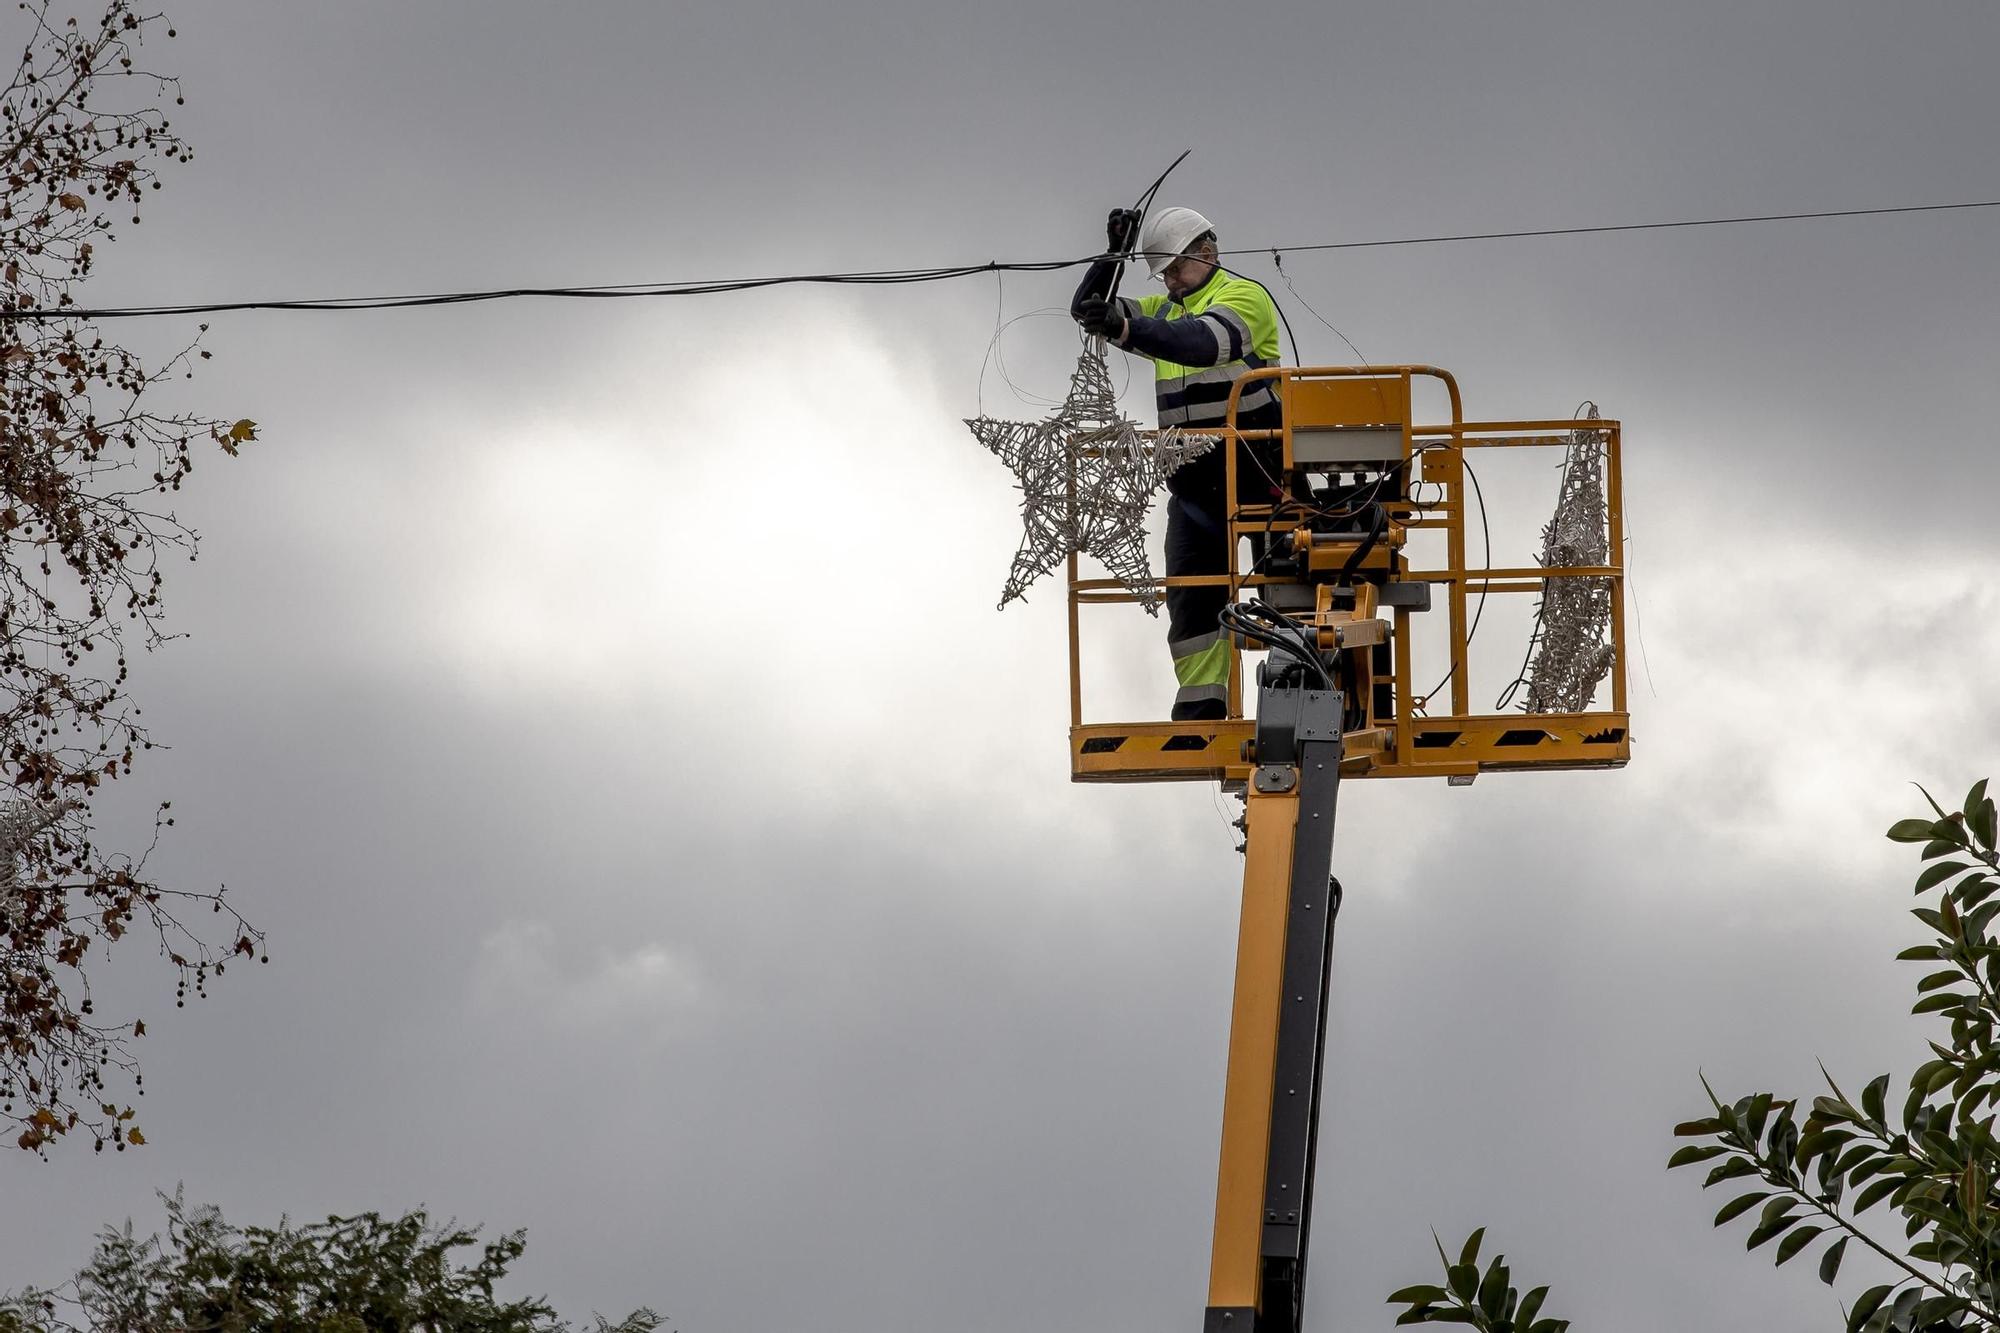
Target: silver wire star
point(1572, 636)
point(1087, 476)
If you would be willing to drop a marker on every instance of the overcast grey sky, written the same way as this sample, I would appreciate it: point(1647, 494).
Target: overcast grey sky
point(666, 848)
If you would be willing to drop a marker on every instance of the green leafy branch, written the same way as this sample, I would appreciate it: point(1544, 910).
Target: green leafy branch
point(1936, 1164)
point(1489, 1301)
point(1804, 1176)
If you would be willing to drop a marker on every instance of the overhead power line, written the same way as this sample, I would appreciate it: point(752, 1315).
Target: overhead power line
point(1621, 226)
point(898, 277)
point(612, 291)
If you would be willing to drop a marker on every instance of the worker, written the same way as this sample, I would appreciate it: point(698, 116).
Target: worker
point(1209, 330)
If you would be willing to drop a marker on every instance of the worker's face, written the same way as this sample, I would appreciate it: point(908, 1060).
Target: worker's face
point(1189, 271)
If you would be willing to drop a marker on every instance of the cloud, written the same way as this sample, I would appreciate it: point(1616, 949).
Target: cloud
point(1801, 683)
point(514, 605)
point(522, 973)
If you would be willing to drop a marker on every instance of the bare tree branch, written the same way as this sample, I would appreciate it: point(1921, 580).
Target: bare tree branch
point(84, 536)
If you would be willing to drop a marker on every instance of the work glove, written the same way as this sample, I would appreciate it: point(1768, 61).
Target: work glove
point(1102, 317)
point(1118, 230)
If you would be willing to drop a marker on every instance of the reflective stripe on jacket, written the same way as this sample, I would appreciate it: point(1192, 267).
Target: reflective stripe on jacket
point(1202, 344)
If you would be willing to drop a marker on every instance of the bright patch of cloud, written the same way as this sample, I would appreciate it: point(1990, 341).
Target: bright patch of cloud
point(1800, 690)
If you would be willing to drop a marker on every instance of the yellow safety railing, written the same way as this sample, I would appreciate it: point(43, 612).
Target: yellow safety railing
point(1334, 414)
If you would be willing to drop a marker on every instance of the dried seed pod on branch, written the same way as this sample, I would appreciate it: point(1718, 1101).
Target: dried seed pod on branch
point(89, 464)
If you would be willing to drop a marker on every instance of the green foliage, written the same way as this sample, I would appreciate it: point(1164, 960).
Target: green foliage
point(1933, 1158)
point(1803, 1181)
point(362, 1274)
point(1488, 1301)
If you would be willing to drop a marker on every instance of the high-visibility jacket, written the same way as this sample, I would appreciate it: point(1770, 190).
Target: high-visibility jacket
point(1201, 344)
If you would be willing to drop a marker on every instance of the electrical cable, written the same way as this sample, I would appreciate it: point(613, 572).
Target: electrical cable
point(1138, 221)
point(1486, 561)
point(893, 277)
point(1621, 226)
point(1486, 556)
point(1298, 357)
point(612, 291)
point(999, 314)
point(996, 360)
point(1278, 263)
point(1256, 622)
point(1146, 199)
point(1367, 544)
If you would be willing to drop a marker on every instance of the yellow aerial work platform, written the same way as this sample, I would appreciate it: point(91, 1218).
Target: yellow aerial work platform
point(1350, 418)
point(1335, 603)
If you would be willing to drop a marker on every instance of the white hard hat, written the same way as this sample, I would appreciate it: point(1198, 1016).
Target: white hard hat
point(1167, 234)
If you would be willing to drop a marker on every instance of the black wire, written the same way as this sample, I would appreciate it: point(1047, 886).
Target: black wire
point(1278, 264)
point(878, 278)
point(1258, 623)
point(1298, 357)
point(1623, 226)
point(1375, 531)
point(1486, 546)
point(1146, 199)
point(889, 277)
point(1506, 697)
point(1139, 220)
point(1486, 560)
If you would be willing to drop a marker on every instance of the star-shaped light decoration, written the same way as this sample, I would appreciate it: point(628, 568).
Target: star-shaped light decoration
point(1572, 635)
point(1087, 477)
